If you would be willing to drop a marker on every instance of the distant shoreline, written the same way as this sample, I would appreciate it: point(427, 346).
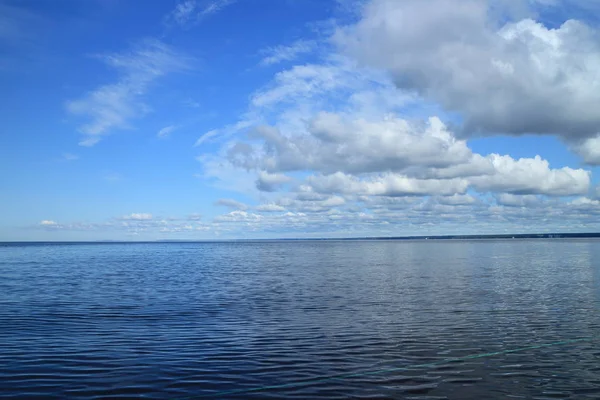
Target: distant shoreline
point(430, 237)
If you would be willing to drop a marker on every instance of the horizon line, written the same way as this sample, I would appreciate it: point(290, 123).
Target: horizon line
point(555, 235)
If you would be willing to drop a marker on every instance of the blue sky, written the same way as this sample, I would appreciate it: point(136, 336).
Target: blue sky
point(219, 119)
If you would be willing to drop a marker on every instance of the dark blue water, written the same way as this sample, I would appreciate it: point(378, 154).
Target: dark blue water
point(174, 320)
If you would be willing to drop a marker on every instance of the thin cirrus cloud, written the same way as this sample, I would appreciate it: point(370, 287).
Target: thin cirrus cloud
point(114, 106)
point(166, 131)
point(188, 13)
point(277, 54)
point(230, 203)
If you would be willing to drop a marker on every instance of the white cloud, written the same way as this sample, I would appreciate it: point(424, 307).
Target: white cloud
point(47, 222)
point(278, 54)
point(166, 131)
point(336, 142)
point(377, 216)
point(270, 207)
point(230, 203)
point(532, 176)
point(385, 184)
point(137, 217)
point(238, 216)
point(89, 141)
point(520, 77)
point(337, 148)
point(396, 157)
point(114, 106)
point(589, 149)
point(584, 202)
point(303, 82)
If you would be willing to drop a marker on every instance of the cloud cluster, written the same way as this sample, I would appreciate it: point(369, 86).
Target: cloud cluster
point(394, 157)
point(366, 216)
point(513, 77)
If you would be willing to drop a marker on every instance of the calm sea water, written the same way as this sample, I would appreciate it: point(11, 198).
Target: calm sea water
point(328, 319)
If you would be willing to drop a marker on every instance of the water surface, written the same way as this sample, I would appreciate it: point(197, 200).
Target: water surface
point(184, 320)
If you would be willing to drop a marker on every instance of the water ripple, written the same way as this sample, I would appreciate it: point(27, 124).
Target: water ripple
point(301, 320)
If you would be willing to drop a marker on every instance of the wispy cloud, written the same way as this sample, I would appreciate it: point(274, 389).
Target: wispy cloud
point(113, 106)
point(190, 12)
point(206, 137)
point(215, 6)
point(166, 131)
point(230, 203)
point(70, 157)
point(277, 54)
point(183, 12)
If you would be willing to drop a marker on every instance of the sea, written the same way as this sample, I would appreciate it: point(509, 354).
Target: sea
point(373, 319)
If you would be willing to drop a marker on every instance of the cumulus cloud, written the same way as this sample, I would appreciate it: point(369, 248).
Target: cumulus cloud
point(335, 142)
point(589, 149)
point(114, 106)
point(48, 222)
point(532, 176)
point(516, 77)
point(386, 184)
point(394, 157)
point(267, 182)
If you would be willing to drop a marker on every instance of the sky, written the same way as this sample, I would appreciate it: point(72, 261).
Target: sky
point(242, 119)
